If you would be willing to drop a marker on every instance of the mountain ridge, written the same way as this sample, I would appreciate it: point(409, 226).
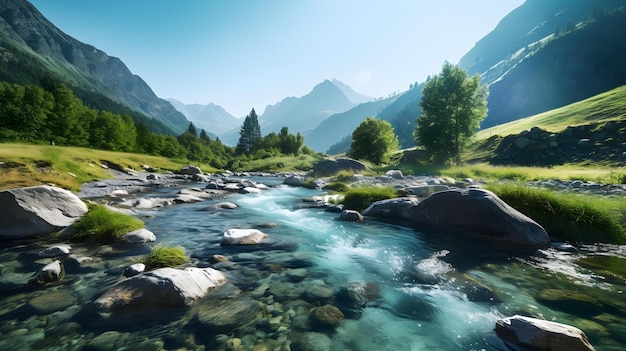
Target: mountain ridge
point(81, 66)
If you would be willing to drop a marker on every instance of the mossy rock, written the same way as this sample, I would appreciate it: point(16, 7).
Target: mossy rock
point(569, 301)
point(327, 316)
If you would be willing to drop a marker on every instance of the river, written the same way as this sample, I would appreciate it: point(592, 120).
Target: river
point(398, 288)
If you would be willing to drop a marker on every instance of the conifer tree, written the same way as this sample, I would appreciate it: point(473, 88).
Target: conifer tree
point(249, 135)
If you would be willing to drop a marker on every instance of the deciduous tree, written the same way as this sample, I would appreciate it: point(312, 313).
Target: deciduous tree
point(453, 105)
point(373, 140)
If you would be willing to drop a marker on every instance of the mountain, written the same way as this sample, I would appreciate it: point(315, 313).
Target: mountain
point(341, 124)
point(34, 50)
point(212, 118)
point(582, 62)
point(527, 24)
point(355, 97)
point(306, 112)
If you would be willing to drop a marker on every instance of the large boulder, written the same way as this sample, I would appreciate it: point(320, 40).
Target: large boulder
point(161, 288)
point(37, 211)
point(470, 212)
point(332, 166)
point(537, 334)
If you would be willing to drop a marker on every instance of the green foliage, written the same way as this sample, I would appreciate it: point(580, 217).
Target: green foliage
point(103, 225)
point(164, 256)
point(570, 217)
point(453, 106)
point(192, 129)
point(249, 135)
point(373, 140)
point(360, 198)
point(344, 176)
point(338, 187)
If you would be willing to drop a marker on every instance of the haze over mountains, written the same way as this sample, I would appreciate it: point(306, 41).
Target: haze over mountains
point(542, 55)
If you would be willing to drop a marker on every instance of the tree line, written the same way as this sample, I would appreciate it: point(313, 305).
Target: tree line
point(53, 114)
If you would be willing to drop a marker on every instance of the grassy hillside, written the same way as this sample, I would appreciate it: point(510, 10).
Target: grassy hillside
point(66, 167)
point(600, 108)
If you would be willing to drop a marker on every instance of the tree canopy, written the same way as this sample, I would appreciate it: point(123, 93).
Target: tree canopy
point(373, 140)
point(453, 105)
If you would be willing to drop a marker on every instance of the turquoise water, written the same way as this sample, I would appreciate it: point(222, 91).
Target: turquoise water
point(398, 288)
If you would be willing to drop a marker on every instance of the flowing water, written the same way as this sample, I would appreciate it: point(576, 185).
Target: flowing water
point(398, 288)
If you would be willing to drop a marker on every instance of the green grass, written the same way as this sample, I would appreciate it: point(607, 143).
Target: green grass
point(30, 165)
point(164, 256)
point(280, 163)
point(568, 216)
point(360, 198)
point(103, 225)
point(603, 107)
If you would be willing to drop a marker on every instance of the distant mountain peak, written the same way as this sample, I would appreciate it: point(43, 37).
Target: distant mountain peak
point(355, 97)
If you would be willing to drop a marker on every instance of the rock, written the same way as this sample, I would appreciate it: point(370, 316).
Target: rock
point(537, 334)
point(55, 251)
point(163, 287)
point(335, 208)
point(50, 273)
point(224, 206)
point(394, 173)
point(118, 192)
point(250, 190)
point(190, 170)
point(109, 340)
point(327, 316)
point(37, 211)
point(479, 213)
point(398, 208)
point(570, 301)
point(294, 181)
point(134, 269)
point(332, 166)
point(229, 315)
point(351, 216)
point(49, 302)
point(427, 190)
point(139, 236)
point(243, 237)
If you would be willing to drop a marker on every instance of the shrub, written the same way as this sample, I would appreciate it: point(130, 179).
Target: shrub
point(103, 225)
point(164, 256)
point(360, 198)
point(344, 176)
point(570, 217)
point(337, 187)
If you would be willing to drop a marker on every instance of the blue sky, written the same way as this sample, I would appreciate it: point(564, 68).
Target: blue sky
point(250, 53)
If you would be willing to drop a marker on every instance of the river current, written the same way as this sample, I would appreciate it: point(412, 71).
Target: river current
point(398, 288)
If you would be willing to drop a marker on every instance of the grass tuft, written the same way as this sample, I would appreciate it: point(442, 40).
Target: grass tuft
point(103, 225)
point(568, 216)
point(360, 198)
point(164, 256)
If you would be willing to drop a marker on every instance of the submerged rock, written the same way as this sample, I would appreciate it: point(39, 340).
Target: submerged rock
point(229, 315)
point(55, 251)
point(37, 211)
point(327, 316)
point(537, 334)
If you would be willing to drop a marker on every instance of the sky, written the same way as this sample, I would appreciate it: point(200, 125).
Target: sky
point(244, 54)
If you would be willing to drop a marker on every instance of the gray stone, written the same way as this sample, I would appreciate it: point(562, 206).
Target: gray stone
point(139, 236)
point(537, 334)
point(190, 170)
point(351, 216)
point(427, 190)
point(134, 269)
point(469, 212)
point(37, 211)
point(243, 237)
point(163, 287)
point(294, 181)
point(50, 273)
point(332, 166)
point(55, 251)
point(395, 174)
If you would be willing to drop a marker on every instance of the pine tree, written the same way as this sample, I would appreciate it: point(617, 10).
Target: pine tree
point(249, 135)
